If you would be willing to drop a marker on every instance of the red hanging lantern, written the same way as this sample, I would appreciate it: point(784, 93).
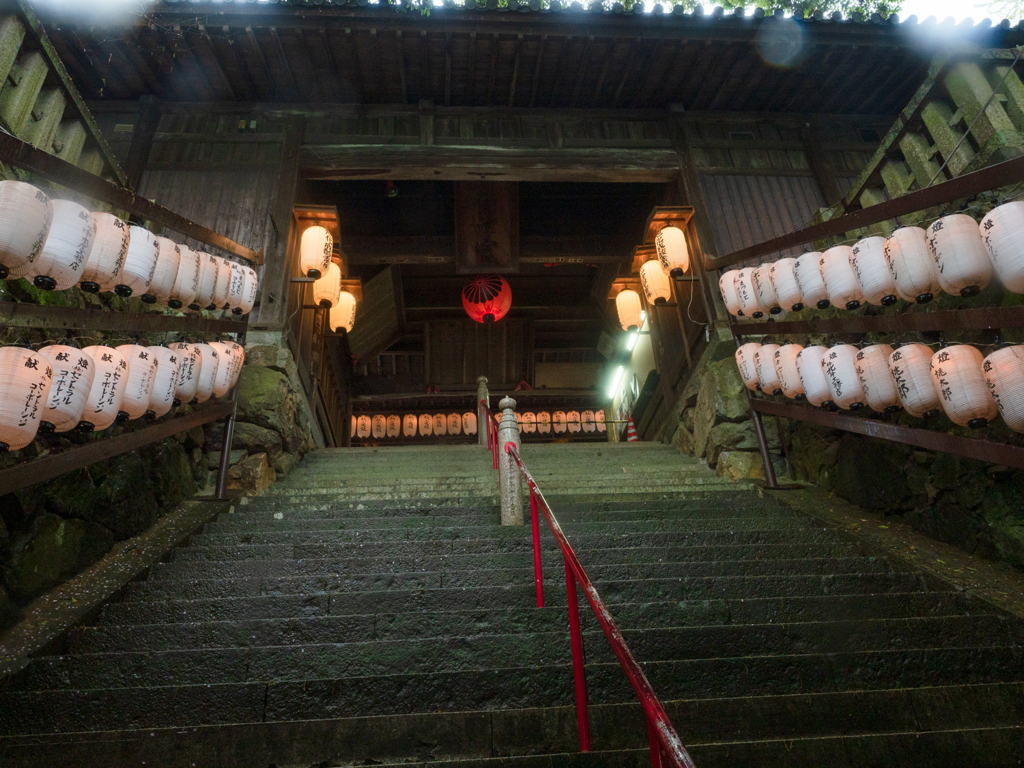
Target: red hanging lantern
point(487, 299)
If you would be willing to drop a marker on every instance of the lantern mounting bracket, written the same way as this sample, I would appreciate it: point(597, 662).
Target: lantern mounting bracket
point(666, 216)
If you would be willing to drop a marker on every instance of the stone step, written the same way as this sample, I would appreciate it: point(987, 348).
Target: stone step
point(508, 539)
point(239, 523)
point(434, 554)
point(507, 688)
point(190, 626)
point(382, 587)
point(387, 657)
point(481, 570)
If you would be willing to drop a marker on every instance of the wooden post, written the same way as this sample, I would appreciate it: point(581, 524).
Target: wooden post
point(274, 297)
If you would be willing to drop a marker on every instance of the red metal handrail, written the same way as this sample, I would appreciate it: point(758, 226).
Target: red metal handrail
point(664, 741)
point(492, 432)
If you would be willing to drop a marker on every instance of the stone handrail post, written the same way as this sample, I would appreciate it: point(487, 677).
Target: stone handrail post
point(510, 483)
point(481, 414)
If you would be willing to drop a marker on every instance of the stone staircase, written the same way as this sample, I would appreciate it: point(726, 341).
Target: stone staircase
point(370, 610)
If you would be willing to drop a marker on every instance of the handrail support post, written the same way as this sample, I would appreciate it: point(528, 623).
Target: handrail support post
point(483, 401)
point(510, 487)
point(578, 669)
point(538, 573)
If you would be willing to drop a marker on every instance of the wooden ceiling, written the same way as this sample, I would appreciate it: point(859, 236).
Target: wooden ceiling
point(329, 53)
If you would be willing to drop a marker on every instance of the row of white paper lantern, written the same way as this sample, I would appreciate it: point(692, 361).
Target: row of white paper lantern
point(971, 389)
point(561, 421)
point(315, 248)
point(60, 388)
point(59, 243)
point(955, 255)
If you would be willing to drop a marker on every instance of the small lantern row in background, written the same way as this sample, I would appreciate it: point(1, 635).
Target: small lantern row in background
point(970, 389)
point(60, 388)
point(58, 244)
point(955, 255)
point(380, 426)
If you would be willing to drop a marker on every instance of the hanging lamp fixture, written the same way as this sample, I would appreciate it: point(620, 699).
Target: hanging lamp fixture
point(487, 298)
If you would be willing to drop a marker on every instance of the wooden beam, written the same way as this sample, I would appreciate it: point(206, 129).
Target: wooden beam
point(375, 64)
point(515, 72)
point(229, 51)
point(256, 64)
point(70, 90)
point(401, 65)
point(581, 71)
point(284, 71)
point(142, 139)
point(194, 71)
point(558, 70)
point(608, 57)
point(448, 70)
point(626, 71)
point(536, 70)
point(356, 67)
point(210, 59)
point(822, 167)
point(275, 288)
point(471, 77)
point(493, 69)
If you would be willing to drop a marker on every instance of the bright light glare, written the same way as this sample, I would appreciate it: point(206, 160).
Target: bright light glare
point(613, 390)
point(96, 11)
point(643, 317)
point(633, 337)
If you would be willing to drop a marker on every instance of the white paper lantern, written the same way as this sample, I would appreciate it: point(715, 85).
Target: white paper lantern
point(394, 428)
point(327, 289)
point(558, 421)
point(627, 304)
point(840, 367)
point(572, 421)
point(812, 376)
point(236, 288)
point(209, 267)
point(808, 277)
point(25, 378)
point(103, 402)
point(343, 313)
point(1002, 231)
point(840, 281)
point(764, 364)
point(354, 427)
point(165, 380)
point(786, 369)
point(168, 259)
point(106, 257)
point(139, 265)
point(440, 424)
point(787, 289)
point(747, 294)
point(315, 251)
point(208, 364)
point(26, 219)
point(238, 361)
point(73, 373)
point(747, 366)
point(961, 259)
point(728, 288)
point(672, 251)
point(911, 265)
point(872, 270)
point(189, 363)
point(186, 281)
point(469, 423)
point(544, 422)
point(454, 424)
point(364, 426)
point(68, 243)
point(222, 285)
point(766, 297)
point(225, 367)
point(378, 426)
point(588, 420)
point(963, 391)
point(876, 378)
point(1004, 374)
point(656, 283)
point(138, 387)
point(910, 366)
point(529, 422)
point(409, 425)
point(599, 419)
point(249, 289)
point(426, 425)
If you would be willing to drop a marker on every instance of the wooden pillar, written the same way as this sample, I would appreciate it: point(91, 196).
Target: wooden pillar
point(691, 193)
point(823, 171)
point(276, 271)
point(142, 140)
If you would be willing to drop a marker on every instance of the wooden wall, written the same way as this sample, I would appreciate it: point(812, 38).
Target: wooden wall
point(458, 351)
